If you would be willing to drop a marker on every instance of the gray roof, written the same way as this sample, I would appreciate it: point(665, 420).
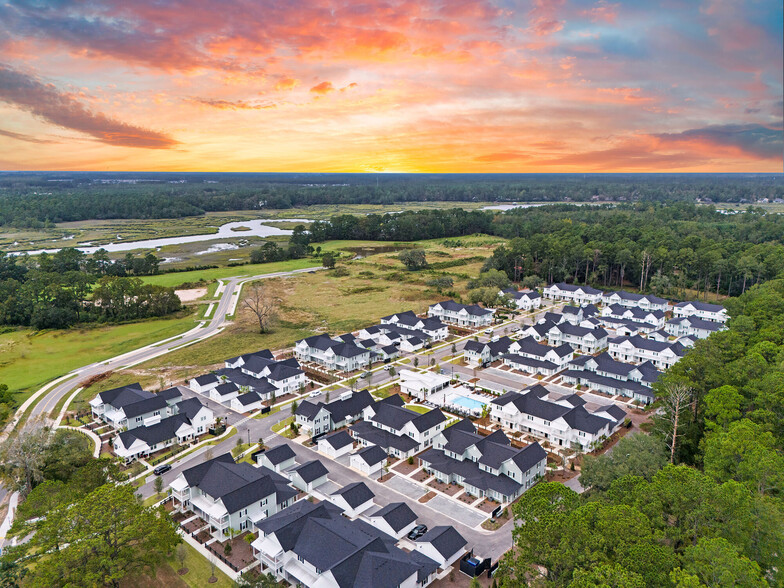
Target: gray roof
point(164, 430)
point(190, 407)
point(144, 406)
point(311, 470)
point(226, 389)
point(206, 379)
point(398, 515)
point(171, 393)
point(279, 454)
point(456, 307)
point(704, 306)
point(374, 454)
point(248, 398)
point(446, 540)
point(573, 288)
point(339, 440)
point(355, 494)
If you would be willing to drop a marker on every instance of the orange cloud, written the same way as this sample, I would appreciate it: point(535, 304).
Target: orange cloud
point(323, 88)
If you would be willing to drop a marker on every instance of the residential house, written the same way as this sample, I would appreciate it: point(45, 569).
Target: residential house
point(354, 499)
point(395, 519)
point(316, 418)
point(129, 406)
point(638, 349)
point(703, 310)
point(578, 338)
point(442, 544)
point(247, 402)
point(230, 495)
point(536, 358)
point(632, 300)
point(538, 332)
point(332, 354)
point(190, 419)
point(314, 545)
point(286, 375)
point(479, 353)
point(336, 444)
point(422, 385)
point(692, 326)
point(399, 431)
point(203, 384)
point(634, 313)
point(485, 466)
point(431, 326)
point(278, 459)
point(370, 461)
point(523, 299)
point(562, 421)
point(573, 293)
point(577, 314)
point(224, 393)
point(462, 315)
point(308, 476)
point(607, 375)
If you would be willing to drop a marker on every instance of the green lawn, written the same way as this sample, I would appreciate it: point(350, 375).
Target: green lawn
point(284, 424)
point(166, 575)
point(30, 359)
point(418, 408)
point(177, 278)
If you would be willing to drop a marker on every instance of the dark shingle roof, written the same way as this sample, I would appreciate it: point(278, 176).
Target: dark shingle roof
point(144, 406)
point(373, 454)
point(398, 515)
point(355, 494)
point(162, 431)
point(279, 454)
point(190, 407)
point(446, 540)
point(339, 440)
point(311, 470)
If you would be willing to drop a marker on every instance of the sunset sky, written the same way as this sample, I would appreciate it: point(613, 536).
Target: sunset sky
point(388, 86)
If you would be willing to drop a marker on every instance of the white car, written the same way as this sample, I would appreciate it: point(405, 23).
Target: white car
point(488, 331)
point(315, 393)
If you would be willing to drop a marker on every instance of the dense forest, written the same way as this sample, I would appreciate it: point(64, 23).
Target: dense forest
point(714, 516)
point(39, 199)
point(660, 248)
point(68, 287)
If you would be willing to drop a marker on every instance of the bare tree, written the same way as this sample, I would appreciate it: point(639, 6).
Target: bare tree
point(181, 552)
point(675, 401)
point(262, 304)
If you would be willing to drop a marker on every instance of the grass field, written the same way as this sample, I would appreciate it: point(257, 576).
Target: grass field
point(166, 575)
point(376, 286)
point(175, 279)
point(29, 359)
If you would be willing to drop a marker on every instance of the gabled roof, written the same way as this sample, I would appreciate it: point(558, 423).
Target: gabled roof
point(190, 407)
point(163, 430)
point(398, 515)
point(308, 409)
point(372, 454)
point(171, 393)
point(248, 398)
point(355, 494)
point(206, 379)
point(133, 392)
point(311, 470)
point(446, 540)
point(573, 288)
point(582, 420)
point(697, 323)
point(704, 306)
point(264, 353)
point(582, 332)
point(453, 306)
point(277, 455)
point(338, 440)
point(144, 406)
point(226, 389)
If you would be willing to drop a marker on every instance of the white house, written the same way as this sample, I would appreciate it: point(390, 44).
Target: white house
point(354, 499)
point(230, 495)
point(462, 315)
point(634, 313)
point(632, 300)
point(224, 393)
point(703, 310)
point(523, 299)
point(128, 407)
point(336, 444)
point(562, 421)
point(308, 476)
point(638, 349)
point(571, 293)
point(370, 461)
point(203, 384)
point(431, 326)
point(421, 385)
point(484, 465)
point(607, 375)
point(278, 459)
point(247, 402)
point(334, 355)
point(399, 431)
point(292, 546)
point(578, 338)
point(442, 544)
point(535, 357)
point(480, 353)
point(692, 326)
point(395, 519)
point(316, 418)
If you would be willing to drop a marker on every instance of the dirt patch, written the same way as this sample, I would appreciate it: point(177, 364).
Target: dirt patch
point(386, 477)
point(191, 294)
point(448, 489)
point(427, 497)
point(421, 476)
point(405, 468)
point(458, 580)
point(165, 577)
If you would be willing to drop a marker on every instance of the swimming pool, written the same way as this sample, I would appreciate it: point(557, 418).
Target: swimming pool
point(468, 403)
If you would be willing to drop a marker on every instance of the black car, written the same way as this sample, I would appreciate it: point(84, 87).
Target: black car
point(417, 532)
point(161, 469)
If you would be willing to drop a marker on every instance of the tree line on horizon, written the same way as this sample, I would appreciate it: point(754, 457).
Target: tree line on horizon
point(38, 200)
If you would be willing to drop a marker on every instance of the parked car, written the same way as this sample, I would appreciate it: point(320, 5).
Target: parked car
point(488, 331)
point(365, 375)
point(315, 393)
point(417, 532)
point(161, 469)
point(388, 367)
